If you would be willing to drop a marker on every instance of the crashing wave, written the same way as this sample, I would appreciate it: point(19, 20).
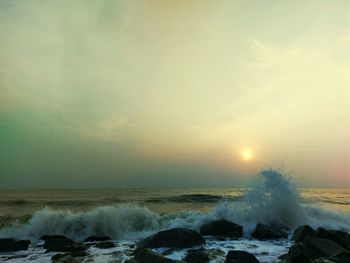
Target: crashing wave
point(271, 199)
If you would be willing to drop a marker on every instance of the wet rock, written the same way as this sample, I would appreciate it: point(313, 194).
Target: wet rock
point(296, 255)
point(339, 237)
point(197, 256)
point(64, 245)
point(11, 245)
point(319, 249)
point(96, 238)
point(302, 232)
point(316, 247)
point(63, 258)
point(175, 238)
point(49, 237)
point(343, 257)
point(238, 256)
point(214, 253)
point(146, 255)
point(104, 245)
point(344, 236)
point(265, 232)
point(222, 228)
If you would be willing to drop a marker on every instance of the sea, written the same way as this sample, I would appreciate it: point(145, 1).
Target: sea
point(129, 215)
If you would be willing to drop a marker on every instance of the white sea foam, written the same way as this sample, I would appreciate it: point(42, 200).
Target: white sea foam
point(122, 222)
point(272, 198)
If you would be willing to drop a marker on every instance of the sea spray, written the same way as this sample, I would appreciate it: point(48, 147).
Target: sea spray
point(272, 198)
point(122, 222)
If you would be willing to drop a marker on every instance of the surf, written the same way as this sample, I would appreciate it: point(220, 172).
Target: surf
point(271, 198)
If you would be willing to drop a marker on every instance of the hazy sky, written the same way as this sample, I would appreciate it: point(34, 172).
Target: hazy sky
point(173, 93)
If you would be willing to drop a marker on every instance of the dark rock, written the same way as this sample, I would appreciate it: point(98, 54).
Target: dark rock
point(222, 228)
point(343, 236)
point(283, 257)
point(63, 245)
point(296, 254)
point(48, 237)
point(316, 247)
point(238, 256)
point(338, 237)
point(317, 250)
point(63, 258)
point(197, 256)
point(264, 232)
point(302, 232)
point(105, 245)
point(58, 256)
point(176, 238)
point(146, 255)
point(96, 238)
point(343, 257)
point(11, 245)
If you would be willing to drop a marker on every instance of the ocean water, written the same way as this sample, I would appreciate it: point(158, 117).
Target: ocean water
point(128, 215)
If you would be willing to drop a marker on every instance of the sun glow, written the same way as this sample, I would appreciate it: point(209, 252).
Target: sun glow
point(247, 154)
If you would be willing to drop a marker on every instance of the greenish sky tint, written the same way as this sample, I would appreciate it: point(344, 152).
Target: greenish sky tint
point(169, 93)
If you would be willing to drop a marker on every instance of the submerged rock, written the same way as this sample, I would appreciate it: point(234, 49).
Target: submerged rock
point(175, 238)
point(197, 256)
point(12, 245)
point(63, 245)
point(222, 228)
point(264, 232)
point(105, 245)
point(238, 256)
point(96, 238)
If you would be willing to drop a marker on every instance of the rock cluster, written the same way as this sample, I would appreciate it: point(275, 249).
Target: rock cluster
point(310, 246)
point(222, 228)
point(173, 238)
point(12, 245)
point(184, 238)
point(331, 246)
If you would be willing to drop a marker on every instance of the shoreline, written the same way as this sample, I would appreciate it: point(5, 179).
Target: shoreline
point(267, 244)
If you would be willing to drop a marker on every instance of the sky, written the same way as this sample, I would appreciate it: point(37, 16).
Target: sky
point(173, 93)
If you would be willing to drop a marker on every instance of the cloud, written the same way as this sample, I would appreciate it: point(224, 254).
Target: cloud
point(110, 129)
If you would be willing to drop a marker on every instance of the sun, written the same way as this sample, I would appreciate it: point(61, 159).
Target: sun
point(247, 154)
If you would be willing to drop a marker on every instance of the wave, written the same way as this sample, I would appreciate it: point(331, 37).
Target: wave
point(326, 201)
point(192, 198)
point(271, 199)
point(15, 202)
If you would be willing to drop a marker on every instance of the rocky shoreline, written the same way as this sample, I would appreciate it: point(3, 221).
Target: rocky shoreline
point(308, 245)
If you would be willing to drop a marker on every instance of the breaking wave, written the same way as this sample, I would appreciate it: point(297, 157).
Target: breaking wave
point(271, 199)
